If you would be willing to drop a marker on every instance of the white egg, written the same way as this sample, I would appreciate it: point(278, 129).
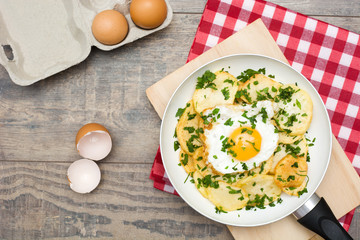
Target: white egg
point(253, 137)
point(83, 175)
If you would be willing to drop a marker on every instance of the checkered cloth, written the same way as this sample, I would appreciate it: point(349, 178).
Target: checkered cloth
point(326, 55)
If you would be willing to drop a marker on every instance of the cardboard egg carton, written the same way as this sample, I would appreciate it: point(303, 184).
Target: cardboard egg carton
point(40, 38)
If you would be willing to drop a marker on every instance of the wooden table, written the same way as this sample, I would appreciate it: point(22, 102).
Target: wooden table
point(38, 125)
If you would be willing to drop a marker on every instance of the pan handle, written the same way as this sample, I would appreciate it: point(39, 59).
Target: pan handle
point(317, 216)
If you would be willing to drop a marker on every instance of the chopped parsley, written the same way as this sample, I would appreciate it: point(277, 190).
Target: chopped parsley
point(248, 73)
point(295, 165)
point(180, 111)
point(206, 81)
point(176, 145)
point(264, 114)
point(225, 91)
point(229, 122)
point(189, 129)
point(229, 81)
point(191, 116)
point(208, 181)
point(243, 92)
point(185, 160)
point(244, 166)
point(219, 210)
point(285, 94)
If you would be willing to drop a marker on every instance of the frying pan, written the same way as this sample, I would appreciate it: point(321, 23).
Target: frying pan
point(310, 210)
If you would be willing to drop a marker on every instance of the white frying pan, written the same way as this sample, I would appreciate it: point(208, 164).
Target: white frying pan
point(310, 210)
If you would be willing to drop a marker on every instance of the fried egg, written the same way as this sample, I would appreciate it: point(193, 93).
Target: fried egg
point(240, 137)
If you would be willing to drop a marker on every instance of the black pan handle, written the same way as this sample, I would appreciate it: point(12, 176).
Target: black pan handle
point(317, 216)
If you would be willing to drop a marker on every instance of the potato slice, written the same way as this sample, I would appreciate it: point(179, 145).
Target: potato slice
point(199, 162)
point(188, 131)
point(294, 110)
point(290, 171)
point(196, 176)
point(257, 186)
point(187, 162)
point(259, 87)
point(264, 167)
point(298, 148)
point(222, 92)
point(227, 197)
point(296, 191)
point(285, 138)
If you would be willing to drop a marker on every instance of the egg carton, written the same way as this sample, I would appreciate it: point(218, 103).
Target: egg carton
point(40, 38)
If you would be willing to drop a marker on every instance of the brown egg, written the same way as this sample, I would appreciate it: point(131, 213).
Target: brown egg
point(148, 14)
point(109, 27)
point(93, 141)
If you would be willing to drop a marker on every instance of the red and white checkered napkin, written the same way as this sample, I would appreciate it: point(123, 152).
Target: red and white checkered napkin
point(326, 55)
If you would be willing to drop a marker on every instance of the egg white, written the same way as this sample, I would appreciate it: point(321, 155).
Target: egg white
point(225, 163)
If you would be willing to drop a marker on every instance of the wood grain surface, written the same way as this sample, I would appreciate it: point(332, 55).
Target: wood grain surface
point(38, 125)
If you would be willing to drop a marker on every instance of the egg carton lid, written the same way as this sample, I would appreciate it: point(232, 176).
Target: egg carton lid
point(40, 38)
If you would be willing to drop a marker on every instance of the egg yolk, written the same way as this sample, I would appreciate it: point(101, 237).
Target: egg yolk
point(245, 143)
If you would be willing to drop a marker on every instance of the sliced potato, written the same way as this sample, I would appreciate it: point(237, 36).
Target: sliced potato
point(197, 175)
point(199, 162)
point(187, 162)
point(295, 191)
point(227, 197)
point(290, 171)
point(259, 87)
point(222, 92)
point(258, 185)
point(285, 138)
point(264, 167)
point(294, 110)
point(298, 148)
point(187, 130)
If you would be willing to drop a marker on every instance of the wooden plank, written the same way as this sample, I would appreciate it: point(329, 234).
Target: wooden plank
point(322, 7)
point(349, 23)
point(37, 203)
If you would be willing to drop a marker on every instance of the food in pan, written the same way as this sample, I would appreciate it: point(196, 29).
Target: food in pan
point(242, 141)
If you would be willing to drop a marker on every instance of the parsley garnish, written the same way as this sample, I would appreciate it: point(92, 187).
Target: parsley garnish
point(244, 166)
point(219, 210)
point(229, 81)
point(302, 192)
point(206, 81)
point(291, 178)
point(208, 182)
point(248, 73)
point(191, 116)
point(180, 111)
point(225, 91)
point(185, 160)
point(295, 165)
point(264, 114)
point(285, 94)
point(243, 92)
point(229, 122)
point(176, 145)
point(189, 129)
